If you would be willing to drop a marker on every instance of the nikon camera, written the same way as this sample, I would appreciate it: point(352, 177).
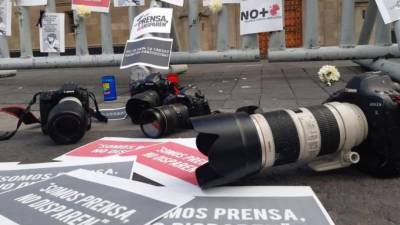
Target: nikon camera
point(358, 125)
point(174, 114)
point(65, 113)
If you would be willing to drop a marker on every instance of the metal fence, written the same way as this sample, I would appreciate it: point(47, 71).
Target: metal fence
point(249, 51)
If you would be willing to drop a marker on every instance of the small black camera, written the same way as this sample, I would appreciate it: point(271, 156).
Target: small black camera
point(174, 114)
point(65, 113)
point(148, 94)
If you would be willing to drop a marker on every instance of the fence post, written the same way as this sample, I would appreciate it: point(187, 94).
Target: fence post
point(223, 29)
point(396, 26)
point(368, 24)
point(347, 35)
point(194, 36)
point(25, 32)
point(80, 35)
point(277, 39)
point(311, 35)
point(4, 51)
point(383, 33)
point(106, 34)
point(51, 8)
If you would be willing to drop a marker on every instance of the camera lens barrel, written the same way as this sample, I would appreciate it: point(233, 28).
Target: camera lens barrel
point(240, 144)
point(68, 121)
point(141, 102)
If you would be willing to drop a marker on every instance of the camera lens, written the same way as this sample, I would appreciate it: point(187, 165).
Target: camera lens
point(164, 120)
point(240, 144)
point(67, 121)
point(141, 102)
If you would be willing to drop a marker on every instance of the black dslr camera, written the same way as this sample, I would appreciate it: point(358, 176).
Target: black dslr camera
point(65, 113)
point(174, 114)
point(358, 125)
point(147, 94)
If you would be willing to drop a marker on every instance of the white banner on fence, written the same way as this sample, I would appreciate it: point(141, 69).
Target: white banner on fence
point(174, 2)
point(30, 2)
point(122, 3)
point(5, 18)
point(231, 1)
point(153, 20)
point(52, 33)
point(260, 16)
point(93, 5)
point(389, 9)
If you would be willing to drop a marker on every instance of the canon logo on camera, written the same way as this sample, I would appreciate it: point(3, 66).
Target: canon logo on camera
point(263, 13)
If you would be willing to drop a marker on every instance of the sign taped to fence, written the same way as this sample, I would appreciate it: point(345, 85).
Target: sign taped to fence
point(93, 5)
point(5, 17)
point(84, 197)
point(18, 176)
point(150, 51)
point(30, 2)
point(260, 16)
point(153, 20)
point(251, 205)
point(208, 2)
point(52, 33)
point(122, 3)
point(389, 9)
point(174, 2)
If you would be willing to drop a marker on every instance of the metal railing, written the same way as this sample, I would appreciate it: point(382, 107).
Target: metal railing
point(249, 51)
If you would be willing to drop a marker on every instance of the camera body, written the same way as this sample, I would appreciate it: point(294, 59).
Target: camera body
point(70, 103)
point(154, 82)
point(193, 99)
point(379, 98)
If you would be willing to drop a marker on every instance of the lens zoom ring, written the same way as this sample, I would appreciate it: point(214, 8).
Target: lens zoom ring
point(286, 138)
point(329, 128)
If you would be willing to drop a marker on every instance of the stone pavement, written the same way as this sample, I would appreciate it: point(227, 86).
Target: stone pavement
point(351, 197)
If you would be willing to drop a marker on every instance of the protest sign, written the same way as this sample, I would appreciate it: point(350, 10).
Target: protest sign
point(260, 16)
point(122, 3)
point(106, 147)
point(30, 2)
point(114, 114)
point(5, 17)
point(174, 2)
point(231, 1)
point(150, 51)
point(18, 176)
point(93, 5)
point(170, 164)
point(52, 32)
point(251, 205)
point(389, 9)
point(153, 20)
point(83, 197)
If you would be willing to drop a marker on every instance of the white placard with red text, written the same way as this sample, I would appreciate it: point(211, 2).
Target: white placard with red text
point(93, 5)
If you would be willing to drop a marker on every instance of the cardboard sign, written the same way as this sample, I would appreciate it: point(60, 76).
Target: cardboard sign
point(174, 2)
point(83, 197)
point(30, 2)
point(153, 20)
point(93, 5)
point(106, 147)
point(251, 205)
point(170, 164)
point(389, 9)
point(114, 114)
point(52, 33)
point(18, 176)
point(123, 3)
point(260, 16)
point(150, 51)
point(5, 17)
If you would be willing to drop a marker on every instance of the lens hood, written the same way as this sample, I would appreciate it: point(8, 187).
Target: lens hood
point(232, 145)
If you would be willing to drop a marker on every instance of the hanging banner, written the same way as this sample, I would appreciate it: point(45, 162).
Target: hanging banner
point(174, 2)
point(123, 3)
point(5, 17)
point(150, 51)
point(389, 9)
point(30, 2)
point(260, 16)
point(153, 20)
point(52, 33)
point(18, 176)
point(93, 5)
point(83, 197)
point(250, 206)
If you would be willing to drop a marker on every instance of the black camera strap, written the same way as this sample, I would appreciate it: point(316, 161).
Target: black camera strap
point(96, 113)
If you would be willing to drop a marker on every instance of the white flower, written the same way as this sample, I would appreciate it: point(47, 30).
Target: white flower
point(329, 75)
point(83, 11)
point(215, 6)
